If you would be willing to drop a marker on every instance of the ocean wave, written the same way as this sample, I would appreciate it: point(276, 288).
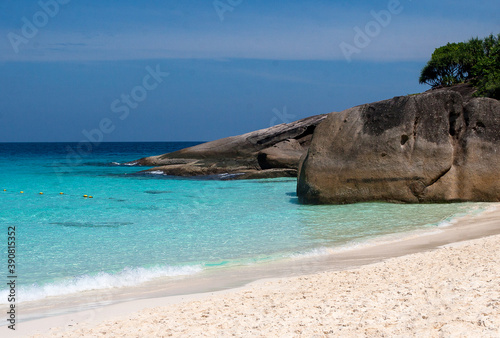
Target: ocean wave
point(128, 164)
point(322, 251)
point(99, 164)
point(154, 172)
point(469, 211)
point(227, 176)
point(325, 251)
point(102, 280)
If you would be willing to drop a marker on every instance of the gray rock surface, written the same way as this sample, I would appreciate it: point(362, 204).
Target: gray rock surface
point(265, 153)
point(442, 145)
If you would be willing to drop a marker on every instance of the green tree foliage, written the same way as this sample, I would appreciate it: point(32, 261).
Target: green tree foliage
point(476, 61)
point(487, 69)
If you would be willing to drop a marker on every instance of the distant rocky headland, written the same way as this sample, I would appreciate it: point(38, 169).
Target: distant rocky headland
point(265, 153)
point(439, 146)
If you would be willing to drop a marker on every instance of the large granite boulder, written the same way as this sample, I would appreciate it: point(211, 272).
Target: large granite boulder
point(265, 153)
point(437, 146)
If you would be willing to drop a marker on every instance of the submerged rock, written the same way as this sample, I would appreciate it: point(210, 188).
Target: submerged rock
point(266, 153)
point(442, 145)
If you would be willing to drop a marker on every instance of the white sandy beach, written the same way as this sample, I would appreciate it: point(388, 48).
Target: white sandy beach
point(449, 291)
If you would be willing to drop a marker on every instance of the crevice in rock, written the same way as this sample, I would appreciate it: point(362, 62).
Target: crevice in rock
point(418, 187)
point(458, 126)
point(309, 130)
point(454, 128)
point(404, 139)
point(432, 182)
point(415, 125)
point(479, 128)
point(262, 160)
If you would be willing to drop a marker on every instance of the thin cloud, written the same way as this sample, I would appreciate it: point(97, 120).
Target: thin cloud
point(404, 39)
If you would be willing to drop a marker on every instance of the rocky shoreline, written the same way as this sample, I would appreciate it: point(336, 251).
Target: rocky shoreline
point(266, 153)
point(439, 146)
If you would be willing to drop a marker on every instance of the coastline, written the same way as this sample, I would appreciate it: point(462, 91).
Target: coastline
point(476, 227)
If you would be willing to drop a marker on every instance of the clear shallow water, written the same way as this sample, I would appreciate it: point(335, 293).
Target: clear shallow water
point(140, 227)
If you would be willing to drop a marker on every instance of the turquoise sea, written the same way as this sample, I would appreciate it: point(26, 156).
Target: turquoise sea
point(137, 228)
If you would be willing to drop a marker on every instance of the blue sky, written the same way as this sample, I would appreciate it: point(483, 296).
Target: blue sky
point(233, 65)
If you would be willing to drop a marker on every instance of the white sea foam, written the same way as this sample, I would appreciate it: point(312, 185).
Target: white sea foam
point(155, 172)
point(324, 251)
point(228, 175)
point(471, 211)
point(313, 253)
point(102, 280)
point(366, 243)
point(126, 163)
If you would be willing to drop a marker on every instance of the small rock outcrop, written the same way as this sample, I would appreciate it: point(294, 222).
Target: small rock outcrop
point(439, 146)
point(265, 153)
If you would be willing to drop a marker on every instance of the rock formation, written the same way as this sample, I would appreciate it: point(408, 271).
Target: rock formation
point(442, 145)
point(265, 153)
